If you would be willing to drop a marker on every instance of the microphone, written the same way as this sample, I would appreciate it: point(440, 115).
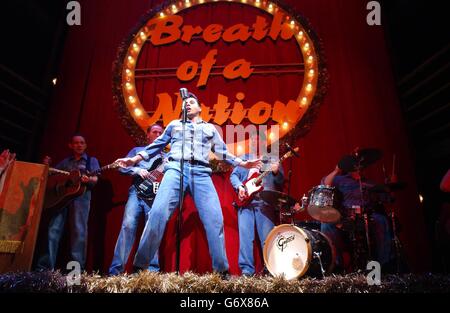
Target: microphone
point(294, 152)
point(184, 94)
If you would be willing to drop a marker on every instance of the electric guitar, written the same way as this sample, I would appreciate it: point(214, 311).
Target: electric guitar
point(66, 186)
point(253, 184)
point(147, 188)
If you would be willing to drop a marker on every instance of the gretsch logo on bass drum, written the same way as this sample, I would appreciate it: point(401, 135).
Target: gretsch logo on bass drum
point(282, 241)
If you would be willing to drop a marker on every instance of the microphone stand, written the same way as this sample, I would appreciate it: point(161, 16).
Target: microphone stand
point(289, 192)
point(181, 194)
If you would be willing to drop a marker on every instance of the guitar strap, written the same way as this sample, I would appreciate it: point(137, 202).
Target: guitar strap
point(88, 169)
point(88, 164)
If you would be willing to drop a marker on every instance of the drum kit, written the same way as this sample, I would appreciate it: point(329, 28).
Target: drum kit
point(294, 249)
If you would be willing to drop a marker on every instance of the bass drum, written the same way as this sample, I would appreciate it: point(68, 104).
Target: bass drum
point(292, 251)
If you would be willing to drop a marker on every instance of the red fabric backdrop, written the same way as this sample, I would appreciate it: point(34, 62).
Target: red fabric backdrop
point(360, 109)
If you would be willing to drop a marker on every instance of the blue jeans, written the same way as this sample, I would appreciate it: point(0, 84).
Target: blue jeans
point(134, 208)
point(262, 216)
point(198, 180)
point(380, 235)
point(78, 212)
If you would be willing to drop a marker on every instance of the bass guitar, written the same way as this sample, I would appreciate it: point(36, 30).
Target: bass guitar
point(147, 188)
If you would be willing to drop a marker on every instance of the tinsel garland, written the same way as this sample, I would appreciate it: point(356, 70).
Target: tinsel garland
point(148, 282)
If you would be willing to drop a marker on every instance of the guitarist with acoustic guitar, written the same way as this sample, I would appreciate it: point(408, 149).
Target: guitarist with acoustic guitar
point(146, 177)
point(79, 164)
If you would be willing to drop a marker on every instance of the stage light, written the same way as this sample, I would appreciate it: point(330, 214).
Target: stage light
point(129, 86)
point(258, 3)
point(130, 59)
point(137, 112)
point(285, 125)
point(306, 47)
point(311, 73)
point(174, 8)
point(128, 72)
point(308, 87)
point(420, 198)
point(292, 24)
point(304, 101)
point(54, 81)
point(135, 47)
point(161, 14)
point(132, 99)
point(300, 35)
point(310, 59)
point(270, 7)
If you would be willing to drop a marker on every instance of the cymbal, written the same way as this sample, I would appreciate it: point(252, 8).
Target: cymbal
point(367, 156)
point(276, 198)
point(325, 214)
point(361, 158)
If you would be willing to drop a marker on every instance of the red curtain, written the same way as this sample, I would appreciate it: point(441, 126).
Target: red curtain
point(360, 109)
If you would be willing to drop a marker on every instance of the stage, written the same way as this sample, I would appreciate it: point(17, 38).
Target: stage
point(148, 282)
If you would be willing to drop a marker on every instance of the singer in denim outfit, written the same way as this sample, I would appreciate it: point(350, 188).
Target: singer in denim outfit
point(135, 207)
point(380, 232)
point(257, 213)
point(77, 212)
point(201, 138)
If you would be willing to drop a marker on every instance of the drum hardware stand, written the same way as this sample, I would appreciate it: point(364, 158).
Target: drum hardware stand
point(289, 190)
point(363, 209)
point(318, 255)
point(397, 243)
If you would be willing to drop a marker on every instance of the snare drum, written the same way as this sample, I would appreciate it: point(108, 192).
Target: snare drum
point(323, 204)
point(292, 251)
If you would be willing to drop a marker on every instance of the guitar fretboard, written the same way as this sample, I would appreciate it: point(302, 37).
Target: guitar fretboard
point(93, 173)
point(288, 154)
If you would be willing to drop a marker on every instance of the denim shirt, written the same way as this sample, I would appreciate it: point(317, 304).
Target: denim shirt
point(350, 191)
point(70, 164)
point(144, 164)
point(201, 139)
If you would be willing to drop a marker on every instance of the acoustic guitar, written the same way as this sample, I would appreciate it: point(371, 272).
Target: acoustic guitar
point(64, 186)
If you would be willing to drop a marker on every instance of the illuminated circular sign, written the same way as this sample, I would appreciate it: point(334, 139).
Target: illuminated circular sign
point(230, 55)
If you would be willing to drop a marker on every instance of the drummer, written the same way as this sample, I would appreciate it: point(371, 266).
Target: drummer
point(258, 213)
point(347, 182)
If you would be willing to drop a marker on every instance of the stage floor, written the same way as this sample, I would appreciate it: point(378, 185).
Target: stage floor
point(147, 282)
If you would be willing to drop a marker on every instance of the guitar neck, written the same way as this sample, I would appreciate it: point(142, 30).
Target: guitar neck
point(57, 171)
point(93, 173)
point(264, 174)
point(104, 168)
